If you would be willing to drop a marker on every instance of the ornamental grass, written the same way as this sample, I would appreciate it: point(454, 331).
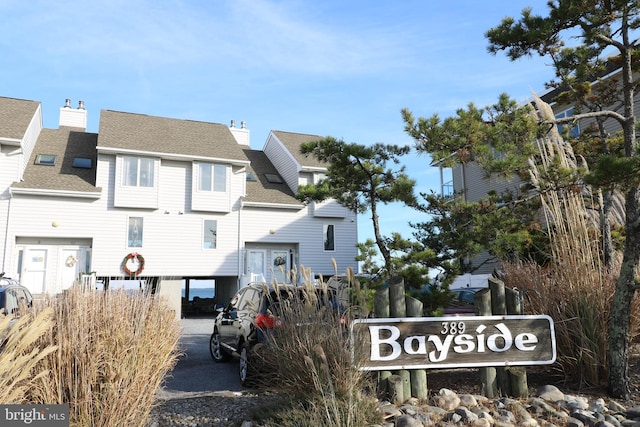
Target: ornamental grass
point(114, 350)
point(23, 350)
point(309, 358)
point(574, 288)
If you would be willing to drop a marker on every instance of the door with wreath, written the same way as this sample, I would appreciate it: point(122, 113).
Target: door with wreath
point(280, 265)
point(72, 263)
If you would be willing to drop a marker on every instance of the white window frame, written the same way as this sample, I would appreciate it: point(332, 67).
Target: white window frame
point(212, 177)
point(134, 169)
point(209, 234)
point(134, 228)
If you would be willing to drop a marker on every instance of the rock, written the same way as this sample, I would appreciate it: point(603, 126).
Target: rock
point(468, 400)
point(616, 407)
point(633, 412)
point(407, 421)
point(447, 400)
point(550, 393)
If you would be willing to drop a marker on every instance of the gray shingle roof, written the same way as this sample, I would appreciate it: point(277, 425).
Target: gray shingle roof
point(153, 134)
point(263, 191)
point(15, 116)
point(65, 143)
point(293, 141)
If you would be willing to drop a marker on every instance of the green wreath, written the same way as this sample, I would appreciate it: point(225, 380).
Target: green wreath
point(128, 258)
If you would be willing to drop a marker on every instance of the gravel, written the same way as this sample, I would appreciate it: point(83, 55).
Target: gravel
point(549, 407)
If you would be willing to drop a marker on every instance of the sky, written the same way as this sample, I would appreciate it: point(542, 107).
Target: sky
point(330, 68)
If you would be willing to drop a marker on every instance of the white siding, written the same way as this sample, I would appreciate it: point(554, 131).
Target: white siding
point(299, 228)
point(13, 161)
point(286, 165)
point(329, 209)
point(135, 197)
point(30, 137)
point(214, 201)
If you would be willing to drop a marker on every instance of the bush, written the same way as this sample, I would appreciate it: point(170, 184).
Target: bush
point(114, 350)
point(579, 301)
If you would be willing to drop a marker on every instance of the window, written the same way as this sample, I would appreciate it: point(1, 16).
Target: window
point(329, 241)
point(137, 171)
point(210, 235)
point(134, 239)
point(213, 177)
point(251, 177)
point(46, 159)
point(574, 131)
point(273, 178)
point(82, 163)
point(446, 182)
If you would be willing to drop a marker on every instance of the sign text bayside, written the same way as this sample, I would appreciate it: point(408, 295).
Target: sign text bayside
point(453, 342)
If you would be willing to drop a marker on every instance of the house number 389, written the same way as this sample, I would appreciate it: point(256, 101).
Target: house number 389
point(452, 328)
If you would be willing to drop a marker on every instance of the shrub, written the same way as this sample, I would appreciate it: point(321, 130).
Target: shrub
point(114, 350)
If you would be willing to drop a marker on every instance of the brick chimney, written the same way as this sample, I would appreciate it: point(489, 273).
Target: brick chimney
point(73, 117)
point(242, 134)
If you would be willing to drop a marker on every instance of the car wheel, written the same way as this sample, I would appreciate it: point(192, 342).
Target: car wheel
point(215, 348)
point(246, 371)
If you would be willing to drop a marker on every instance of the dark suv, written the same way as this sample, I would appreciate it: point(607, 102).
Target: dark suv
point(251, 313)
point(13, 296)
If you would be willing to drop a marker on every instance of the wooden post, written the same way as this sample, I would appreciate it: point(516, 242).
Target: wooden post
point(418, 376)
point(381, 310)
point(419, 384)
point(381, 303)
point(517, 374)
point(397, 307)
point(499, 307)
point(406, 383)
point(396, 390)
point(513, 299)
point(383, 384)
point(519, 385)
point(482, 307)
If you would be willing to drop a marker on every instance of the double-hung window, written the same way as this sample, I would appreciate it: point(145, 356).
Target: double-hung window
point(213, 177)
point(138, 171)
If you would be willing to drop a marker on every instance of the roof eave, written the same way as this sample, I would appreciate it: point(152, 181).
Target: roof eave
point(248, 204)
point(55, 193)
point(170, 156)
point(11, 141)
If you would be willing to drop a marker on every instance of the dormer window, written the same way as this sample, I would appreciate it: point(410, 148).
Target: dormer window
point(46, 159)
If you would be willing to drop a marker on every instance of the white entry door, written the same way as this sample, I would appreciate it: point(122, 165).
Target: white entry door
point(257, 264)
point(34, 269)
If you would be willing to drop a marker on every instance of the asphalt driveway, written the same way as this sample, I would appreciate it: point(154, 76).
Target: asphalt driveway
point(196, 373)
